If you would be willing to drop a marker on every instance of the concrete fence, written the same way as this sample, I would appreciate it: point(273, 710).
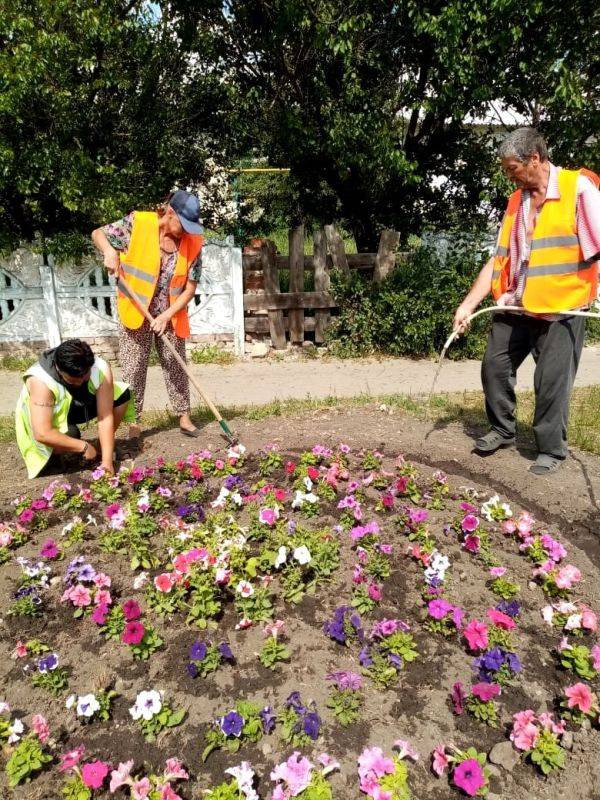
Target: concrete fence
point(43, 303)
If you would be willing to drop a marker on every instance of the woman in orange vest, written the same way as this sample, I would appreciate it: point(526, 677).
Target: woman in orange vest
point(546, 260)
point(158, 254)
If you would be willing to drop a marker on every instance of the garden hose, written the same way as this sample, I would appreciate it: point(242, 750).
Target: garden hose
point(491, 309)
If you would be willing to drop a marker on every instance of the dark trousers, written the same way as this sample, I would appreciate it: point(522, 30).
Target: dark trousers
point(556, 349)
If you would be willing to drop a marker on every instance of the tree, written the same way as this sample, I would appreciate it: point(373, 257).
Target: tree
point(101, 111)
point(367, 101)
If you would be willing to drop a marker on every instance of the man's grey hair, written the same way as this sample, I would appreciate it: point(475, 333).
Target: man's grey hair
point(522, 144)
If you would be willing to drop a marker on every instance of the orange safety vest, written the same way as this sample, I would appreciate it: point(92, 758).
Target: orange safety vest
point(558, 277)
point(140, 266)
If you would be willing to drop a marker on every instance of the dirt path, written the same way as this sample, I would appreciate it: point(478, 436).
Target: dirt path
point(258, 382)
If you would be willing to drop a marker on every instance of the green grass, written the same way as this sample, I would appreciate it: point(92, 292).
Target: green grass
point(443, 409)
point(212, 354)
point(17, 363)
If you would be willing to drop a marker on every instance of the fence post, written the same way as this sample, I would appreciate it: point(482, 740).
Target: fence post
point(237, 287)
point(269, 265)
point(336, 248)
point(385, 260)
point(47, 281)
point(322, 283)
point(296, 315)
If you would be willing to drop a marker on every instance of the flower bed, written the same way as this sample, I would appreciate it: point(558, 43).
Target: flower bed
point(325, 624)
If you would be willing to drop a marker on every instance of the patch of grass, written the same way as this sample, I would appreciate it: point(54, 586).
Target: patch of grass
point(212, 354)
point(17, 363)
point(443, 409)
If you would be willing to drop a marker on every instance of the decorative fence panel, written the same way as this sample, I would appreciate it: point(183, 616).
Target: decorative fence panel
point(46, 303)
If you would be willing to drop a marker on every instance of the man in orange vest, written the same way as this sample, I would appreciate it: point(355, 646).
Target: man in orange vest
point(546, 260)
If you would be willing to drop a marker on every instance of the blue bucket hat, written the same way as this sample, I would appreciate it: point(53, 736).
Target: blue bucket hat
point(187, 208)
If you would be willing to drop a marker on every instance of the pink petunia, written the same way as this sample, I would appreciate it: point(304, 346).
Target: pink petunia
point(476, 634)
point(175, 771)
point(567, 576)
point(40, 727)
point(102, 581)
point(94, 773)
point(497, 572)
point(164, 582)
point(71, 758)
point(168, 793)
point(102, 597)
point(580, 697)
point(470, 523)
point(500, 619)
point(141, 789)
point(120, 776)
point(440, 761)
point(589, 620)
point(80, 596)
point(99, 614)
point(595, 653)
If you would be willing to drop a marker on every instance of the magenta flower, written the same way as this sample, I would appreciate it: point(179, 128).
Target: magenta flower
point(472, 543)
point(469, 776)
point(470, 523)
point(94, 773)
point(49, 549)
point(485, 691)
point(26, 516)
point(131, 610)
point(100, 613)
point(133, 633)
point(458, 697)
point(440, 608)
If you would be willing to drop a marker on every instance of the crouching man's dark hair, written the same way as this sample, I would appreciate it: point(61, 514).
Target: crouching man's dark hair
point(74, 357)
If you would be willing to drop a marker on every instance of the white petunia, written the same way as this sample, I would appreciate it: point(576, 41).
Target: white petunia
point(147, 705)
point(87, 705)
point(281, 557)
point(15, 729)
point(302, 554)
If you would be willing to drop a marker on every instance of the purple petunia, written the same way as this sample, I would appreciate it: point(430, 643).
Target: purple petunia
point(48, 663)
point(346, 680)
point(295, 701)
point(231, 724)
point(511, 608)
point(225, 651)
point(365, 658)
point(311, 725)
point(192, 670)
point(268, 719)
point(198, 651)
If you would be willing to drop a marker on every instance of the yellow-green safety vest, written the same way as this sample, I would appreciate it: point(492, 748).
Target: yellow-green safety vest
point(35, 454)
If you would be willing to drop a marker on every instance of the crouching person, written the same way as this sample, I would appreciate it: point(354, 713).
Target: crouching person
point(67, 387)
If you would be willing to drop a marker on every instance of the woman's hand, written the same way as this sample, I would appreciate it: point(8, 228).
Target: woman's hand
point(159, 324)
point(90, 453)
point(112, 262)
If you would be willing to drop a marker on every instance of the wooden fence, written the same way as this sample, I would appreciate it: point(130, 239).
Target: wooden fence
point(265, 303)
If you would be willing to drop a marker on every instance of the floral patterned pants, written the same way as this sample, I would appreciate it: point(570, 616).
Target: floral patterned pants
point(134, 352)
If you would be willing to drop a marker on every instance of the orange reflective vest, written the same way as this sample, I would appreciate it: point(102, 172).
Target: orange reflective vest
point(558, 277)
point(140, 266)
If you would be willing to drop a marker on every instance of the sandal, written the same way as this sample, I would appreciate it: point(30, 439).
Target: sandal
point(194, 434)
point(545, 464)
point(492, 441)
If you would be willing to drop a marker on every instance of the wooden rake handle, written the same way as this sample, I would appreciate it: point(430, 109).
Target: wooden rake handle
point(170, 346)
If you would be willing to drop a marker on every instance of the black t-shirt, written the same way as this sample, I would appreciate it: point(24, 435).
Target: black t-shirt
point(83, 402)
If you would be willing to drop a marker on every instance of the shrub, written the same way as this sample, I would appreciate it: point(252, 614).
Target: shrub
point(410, 313)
